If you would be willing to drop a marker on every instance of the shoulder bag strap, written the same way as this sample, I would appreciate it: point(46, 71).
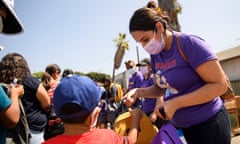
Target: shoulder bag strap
point(179, 48)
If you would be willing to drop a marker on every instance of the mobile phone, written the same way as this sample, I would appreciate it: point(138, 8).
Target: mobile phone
point(14, 82)
point(162, 112)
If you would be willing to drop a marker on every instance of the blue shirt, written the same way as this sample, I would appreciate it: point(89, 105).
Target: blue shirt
point(4, 103)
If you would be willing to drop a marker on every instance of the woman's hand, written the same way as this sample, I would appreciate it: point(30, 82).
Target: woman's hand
point(167, 108)
point(130, 97)
point(153, 116)
point(16, 90)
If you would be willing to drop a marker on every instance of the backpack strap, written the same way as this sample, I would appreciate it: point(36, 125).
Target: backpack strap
point(180, 50)
point(110, 90)
point(229, 94)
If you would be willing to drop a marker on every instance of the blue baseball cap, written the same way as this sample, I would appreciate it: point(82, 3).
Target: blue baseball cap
point(80, 90)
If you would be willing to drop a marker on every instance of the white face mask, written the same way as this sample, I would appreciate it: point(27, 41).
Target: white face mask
point(154, 46)
point(131, 71)
point(143, 70)
point(1, 24)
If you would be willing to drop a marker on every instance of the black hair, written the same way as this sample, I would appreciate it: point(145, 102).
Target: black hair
point(71, 108)
point(13, 65)
point(52, 69)
point(46, 80)
point(152, 4)
point(145, 19)
point(67, 72)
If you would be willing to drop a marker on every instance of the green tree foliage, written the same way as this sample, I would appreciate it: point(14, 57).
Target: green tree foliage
point(122, 46)
point(97, 76)
point(79, 73)
point(38, 74)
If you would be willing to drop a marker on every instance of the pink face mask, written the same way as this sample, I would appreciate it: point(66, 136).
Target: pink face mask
point(143, 70)
point(154, 46)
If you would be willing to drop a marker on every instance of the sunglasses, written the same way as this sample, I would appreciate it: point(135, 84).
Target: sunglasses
point(54, 121)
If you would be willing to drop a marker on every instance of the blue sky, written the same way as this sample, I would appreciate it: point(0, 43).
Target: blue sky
point(79, 34)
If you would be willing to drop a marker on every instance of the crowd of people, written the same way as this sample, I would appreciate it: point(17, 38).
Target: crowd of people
point(9, 103)
point(85, 112)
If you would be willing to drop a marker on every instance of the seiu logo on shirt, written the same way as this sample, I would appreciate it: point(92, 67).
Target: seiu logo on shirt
point(165, 65)
point(161, 81)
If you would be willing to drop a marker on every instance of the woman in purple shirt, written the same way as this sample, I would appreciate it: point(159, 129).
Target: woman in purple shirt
point(148, 104)
point(190, 89)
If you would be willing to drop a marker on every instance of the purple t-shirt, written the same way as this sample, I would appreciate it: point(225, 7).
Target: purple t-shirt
point(135, 80)
point(179, 77)
point(148, 104)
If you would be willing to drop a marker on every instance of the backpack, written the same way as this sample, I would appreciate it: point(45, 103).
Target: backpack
point(54, 126)
point(147, 129)
point(21, 133)
point(119, 91)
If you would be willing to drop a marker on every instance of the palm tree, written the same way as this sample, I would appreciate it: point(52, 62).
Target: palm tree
point(122, 46)
point(173, 8)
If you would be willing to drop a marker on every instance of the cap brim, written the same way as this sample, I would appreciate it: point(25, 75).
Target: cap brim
point(12, 24)
point(141, 64)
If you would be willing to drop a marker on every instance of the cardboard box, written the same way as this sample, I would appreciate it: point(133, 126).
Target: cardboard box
point(238, 101)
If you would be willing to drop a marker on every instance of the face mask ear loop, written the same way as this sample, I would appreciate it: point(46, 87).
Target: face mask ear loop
point(154, 33)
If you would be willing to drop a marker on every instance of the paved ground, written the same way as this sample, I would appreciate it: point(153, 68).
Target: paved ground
point(236, 139)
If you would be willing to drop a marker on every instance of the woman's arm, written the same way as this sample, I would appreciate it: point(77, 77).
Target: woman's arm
point(216, 84)
point(149, 92)
point(10, 116)
point(134, 131)
point(43, 97)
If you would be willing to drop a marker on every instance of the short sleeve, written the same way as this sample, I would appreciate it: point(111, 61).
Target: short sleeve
point(4, 100)
point(196, 49)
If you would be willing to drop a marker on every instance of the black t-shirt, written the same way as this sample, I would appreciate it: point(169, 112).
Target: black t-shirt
point(110, 92)
point(36, 117)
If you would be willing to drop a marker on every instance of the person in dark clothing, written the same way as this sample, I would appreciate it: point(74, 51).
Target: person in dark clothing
point(9, 101)
point(35, 99)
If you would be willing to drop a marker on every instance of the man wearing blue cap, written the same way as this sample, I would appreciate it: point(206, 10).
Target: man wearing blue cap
point(75, 101)
point(9, 104)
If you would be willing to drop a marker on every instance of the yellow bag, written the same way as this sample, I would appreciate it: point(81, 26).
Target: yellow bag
point(119, 92)
point(147, 129)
